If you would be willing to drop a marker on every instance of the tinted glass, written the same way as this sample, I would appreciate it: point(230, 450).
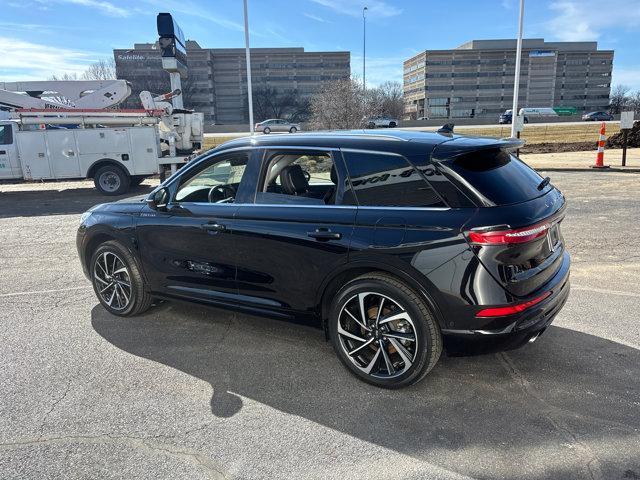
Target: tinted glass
point(498, 176)
point(5, 135)
point(314, 184)
point(387, 180)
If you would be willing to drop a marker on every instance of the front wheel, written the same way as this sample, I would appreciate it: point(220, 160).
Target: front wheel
point(117, 280)
point(392, 125)
point(293, 130)
point(384, 332)
point(111, 180)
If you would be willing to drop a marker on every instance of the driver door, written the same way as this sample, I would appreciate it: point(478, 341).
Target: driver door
point(189, 249)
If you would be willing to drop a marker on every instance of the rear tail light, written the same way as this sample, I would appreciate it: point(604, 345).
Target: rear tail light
point(256, 126)
point(501, 237)
point(511, 309)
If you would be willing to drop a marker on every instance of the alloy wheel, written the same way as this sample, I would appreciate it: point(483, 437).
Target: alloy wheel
point(377, 335)
point(113, 280)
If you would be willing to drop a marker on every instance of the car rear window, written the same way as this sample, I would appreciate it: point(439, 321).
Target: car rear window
point(498, 176)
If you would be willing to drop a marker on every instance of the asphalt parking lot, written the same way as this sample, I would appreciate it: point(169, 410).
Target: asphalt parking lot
point(189, 392)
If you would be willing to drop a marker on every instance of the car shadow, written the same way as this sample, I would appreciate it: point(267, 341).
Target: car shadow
point(567, 395)
point(39, 201)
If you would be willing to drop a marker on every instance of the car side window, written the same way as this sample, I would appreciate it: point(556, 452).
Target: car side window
point(216, 181)
point(6, 135)
point(305, 178)
point(388, 180)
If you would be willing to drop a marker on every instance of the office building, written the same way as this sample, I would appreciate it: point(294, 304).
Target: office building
point(217, 83)
point(476, 79)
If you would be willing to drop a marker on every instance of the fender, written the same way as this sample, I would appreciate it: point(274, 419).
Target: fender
point(418, 282)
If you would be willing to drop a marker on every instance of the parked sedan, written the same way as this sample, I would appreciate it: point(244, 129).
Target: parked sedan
point(397, 244)
point(597, 117)
point(277, 125)
point(381, 122)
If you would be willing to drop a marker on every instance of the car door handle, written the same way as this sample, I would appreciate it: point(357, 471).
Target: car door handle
point(321, 234)
point(213, 227)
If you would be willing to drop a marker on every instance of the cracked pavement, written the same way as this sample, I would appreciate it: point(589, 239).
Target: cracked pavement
point(189, 392)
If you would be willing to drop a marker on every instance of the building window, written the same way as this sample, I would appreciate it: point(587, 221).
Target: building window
point(438, 112)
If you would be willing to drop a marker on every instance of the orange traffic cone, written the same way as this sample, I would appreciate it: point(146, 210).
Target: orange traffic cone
point(600, 156)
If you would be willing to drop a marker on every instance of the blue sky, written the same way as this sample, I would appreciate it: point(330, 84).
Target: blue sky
point(43, 37)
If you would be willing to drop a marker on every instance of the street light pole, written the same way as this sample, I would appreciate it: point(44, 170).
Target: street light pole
point(248, 55)
point(364, 49)
point(516, 80)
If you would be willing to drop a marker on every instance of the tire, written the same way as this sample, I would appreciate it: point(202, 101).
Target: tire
point(414, 320)
point(111, 180)
point(111, 263)
point(371, 125)
point(392, 125)
point(293, 130)
point(266, 131)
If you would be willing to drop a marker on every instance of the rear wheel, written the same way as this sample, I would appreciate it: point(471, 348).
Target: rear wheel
point(111, 180)
point(383, 332)
point(117, 280)
point(266, 131)
point(293, 130)
point(392, 125)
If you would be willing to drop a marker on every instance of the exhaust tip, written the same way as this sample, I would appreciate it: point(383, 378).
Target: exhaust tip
point(534, 337)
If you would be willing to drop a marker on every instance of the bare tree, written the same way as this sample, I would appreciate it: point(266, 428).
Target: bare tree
point(633, 101)
point(338, 105)
point(101, 70)
point(64, 77)
point(269, 102)
point(618, 98)
point(392, 99)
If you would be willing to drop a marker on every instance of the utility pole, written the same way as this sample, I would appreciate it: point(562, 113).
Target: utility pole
point(516, 80)
point(364, 49)
point(248, 55)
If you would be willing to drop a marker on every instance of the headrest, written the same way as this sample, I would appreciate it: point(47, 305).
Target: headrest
point(293, 180)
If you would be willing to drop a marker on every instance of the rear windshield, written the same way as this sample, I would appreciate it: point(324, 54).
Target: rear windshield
point(498, 176)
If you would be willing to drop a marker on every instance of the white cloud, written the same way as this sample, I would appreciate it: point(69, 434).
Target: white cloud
point(626, 76)
point(585, 19)
point(187, 7)
point(103, 6)
point(316, 18)
point(375, 8)
point(23, 60)
point(379, 69)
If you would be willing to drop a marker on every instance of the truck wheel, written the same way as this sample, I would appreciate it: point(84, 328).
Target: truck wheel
point(111, 180)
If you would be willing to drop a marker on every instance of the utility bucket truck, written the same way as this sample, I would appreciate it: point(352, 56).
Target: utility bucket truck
point(63, 130)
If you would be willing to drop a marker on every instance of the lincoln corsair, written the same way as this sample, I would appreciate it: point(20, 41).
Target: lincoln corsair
point(399, 244)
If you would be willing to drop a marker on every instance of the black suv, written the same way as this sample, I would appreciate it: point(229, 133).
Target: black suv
point(397, 244)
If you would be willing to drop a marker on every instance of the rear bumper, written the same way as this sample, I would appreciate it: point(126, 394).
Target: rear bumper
point(520, 329)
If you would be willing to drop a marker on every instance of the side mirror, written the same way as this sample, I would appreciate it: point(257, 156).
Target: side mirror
point(159, 199)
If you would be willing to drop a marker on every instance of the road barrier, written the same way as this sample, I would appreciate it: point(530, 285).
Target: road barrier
point(601, 141)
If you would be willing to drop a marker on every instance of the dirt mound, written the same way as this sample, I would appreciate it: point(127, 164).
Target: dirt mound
point(633, 140)
point(554, 147)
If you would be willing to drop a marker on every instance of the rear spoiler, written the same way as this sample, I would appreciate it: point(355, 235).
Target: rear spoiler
point(457, 146)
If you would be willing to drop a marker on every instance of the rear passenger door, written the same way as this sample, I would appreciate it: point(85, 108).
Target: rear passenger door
point(289, 244)
point(401, 219)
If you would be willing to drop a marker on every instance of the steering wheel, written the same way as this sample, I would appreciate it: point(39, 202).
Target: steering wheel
point(307, 175)
point(225, 191)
